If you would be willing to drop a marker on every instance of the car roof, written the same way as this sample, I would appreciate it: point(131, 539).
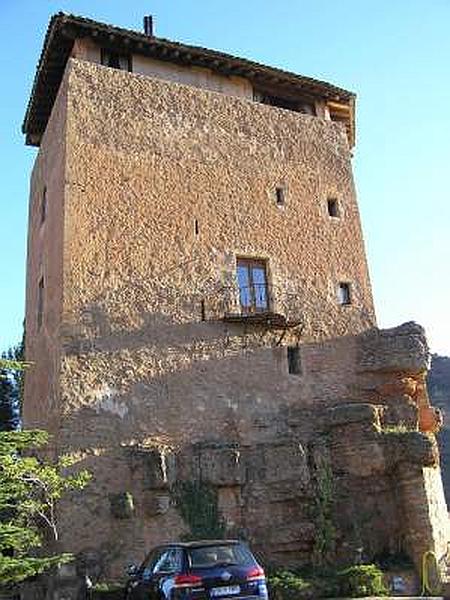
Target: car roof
point(201, 543)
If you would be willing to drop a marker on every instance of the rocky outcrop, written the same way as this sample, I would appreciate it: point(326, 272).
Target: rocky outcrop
point(402, 348)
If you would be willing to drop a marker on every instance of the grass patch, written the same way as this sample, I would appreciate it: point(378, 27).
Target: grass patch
point(398, 428)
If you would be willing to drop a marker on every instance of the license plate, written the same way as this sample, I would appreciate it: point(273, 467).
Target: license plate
point(225, 590)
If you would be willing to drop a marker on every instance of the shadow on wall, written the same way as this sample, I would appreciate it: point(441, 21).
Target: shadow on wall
point(191, 380)
point(352, 487)
point(317, 464)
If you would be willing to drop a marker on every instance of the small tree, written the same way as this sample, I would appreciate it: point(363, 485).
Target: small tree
point(30, 488)
point(11, 387)
point(9, 413)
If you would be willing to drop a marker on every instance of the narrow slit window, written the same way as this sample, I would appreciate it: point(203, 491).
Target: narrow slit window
point(44, 205)
point(202, 310)
point(294, 360)
point(280, 194)
point(40, 302)
point(344, 294)
point(333, 207)
point(196, 227)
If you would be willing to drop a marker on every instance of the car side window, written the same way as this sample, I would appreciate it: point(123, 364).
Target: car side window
point(169, 562)
point(146, 569)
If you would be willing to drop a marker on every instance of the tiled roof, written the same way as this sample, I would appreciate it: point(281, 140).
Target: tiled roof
point(64, 28)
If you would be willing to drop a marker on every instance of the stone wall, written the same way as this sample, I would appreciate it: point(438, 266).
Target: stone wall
point(171, 154)
point(267, 469)
point(145, 160)
point(164, 187)
point(45, 263)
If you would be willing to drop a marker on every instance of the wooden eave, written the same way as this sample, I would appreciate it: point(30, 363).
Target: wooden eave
point(64, 29)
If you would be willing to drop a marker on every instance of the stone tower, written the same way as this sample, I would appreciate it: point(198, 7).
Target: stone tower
point(199, 311)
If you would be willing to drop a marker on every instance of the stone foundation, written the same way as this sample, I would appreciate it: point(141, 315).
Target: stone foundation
point(338, 480)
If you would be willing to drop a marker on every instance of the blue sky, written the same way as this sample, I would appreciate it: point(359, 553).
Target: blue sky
point(394, 54)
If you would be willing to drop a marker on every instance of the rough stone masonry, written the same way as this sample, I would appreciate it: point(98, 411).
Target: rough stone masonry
point(269, 408)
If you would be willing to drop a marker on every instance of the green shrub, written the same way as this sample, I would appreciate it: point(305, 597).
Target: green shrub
point(361, 580)
point(285, 585)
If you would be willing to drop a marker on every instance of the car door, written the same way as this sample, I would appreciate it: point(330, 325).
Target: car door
point(141, 585)
point(164, 570)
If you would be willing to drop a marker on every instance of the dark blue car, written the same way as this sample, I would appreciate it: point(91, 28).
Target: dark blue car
point(207, 570)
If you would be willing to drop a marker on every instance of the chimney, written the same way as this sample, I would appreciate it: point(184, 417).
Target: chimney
point(148, 25)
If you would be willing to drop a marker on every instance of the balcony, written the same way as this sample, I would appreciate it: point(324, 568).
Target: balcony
point(260, 305)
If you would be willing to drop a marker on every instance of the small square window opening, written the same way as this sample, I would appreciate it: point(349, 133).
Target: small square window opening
point(280, 194)
point(294, 360)
point(333, 207)
point(344, 296)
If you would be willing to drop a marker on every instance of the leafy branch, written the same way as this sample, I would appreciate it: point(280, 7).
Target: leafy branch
point(30, 488)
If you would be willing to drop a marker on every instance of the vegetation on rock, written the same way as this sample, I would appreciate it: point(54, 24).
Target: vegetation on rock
point(324, 544)
point(197, 503)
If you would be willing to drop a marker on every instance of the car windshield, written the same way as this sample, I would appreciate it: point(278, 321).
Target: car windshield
point(211, 556)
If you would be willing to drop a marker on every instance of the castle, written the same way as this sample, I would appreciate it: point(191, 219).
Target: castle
point(199, 311)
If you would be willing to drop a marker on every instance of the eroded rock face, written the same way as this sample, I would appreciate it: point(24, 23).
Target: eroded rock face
point(402, 409)
point(348, 414)
point(399, 349)
point(410, 447)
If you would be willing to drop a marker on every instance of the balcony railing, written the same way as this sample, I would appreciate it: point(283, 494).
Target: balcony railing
point(258, 304)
